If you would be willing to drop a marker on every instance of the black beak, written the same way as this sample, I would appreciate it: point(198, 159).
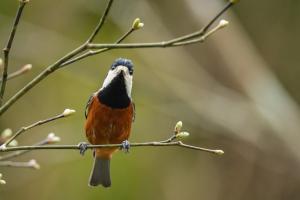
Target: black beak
point(122, 72)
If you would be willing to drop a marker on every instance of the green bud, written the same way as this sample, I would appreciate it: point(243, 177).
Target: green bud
point(27, 67)
point(137, 24)
point(219, 152)
point(178, 126)
point(34, 164)
point(68, 112)
point(223, 23)
point(182, 134)
point(52, 138)
point(6, 133)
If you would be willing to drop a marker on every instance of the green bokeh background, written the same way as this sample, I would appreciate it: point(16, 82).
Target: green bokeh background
point(195, 84)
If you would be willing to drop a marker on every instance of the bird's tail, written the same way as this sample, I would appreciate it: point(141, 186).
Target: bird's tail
point(100, 174)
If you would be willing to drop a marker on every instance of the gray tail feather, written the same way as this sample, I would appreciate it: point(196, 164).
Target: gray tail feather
point(100, 174)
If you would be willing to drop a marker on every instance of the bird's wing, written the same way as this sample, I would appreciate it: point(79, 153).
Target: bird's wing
point(133, 107)
point(88, 105)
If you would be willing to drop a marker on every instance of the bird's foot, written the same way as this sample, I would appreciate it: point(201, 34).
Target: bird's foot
point(82, 147)
point(125, 146)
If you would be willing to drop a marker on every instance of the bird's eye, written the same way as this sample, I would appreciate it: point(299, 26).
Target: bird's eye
point(130, 71)
point(113, 67)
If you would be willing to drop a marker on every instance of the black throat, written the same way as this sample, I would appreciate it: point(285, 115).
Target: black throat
point(114, 94)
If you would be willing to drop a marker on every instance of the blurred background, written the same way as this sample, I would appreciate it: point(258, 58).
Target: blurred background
point(238, 92)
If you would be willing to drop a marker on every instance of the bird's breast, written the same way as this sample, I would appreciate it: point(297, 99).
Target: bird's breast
point(105, 125)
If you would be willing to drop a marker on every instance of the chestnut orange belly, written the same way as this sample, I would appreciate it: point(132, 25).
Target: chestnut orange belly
point(106, 125)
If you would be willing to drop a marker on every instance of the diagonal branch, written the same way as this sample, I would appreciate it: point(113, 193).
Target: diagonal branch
point(66, 113)
point(7, 48)
point(51, 68)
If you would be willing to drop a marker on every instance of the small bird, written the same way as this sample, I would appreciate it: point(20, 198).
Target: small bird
point(109, 115)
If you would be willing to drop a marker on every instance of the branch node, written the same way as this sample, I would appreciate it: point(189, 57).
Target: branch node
point(164, 44)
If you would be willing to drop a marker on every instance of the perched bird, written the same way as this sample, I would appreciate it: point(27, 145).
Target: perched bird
point(109, 115)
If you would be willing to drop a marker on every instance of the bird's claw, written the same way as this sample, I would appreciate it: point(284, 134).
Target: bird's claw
point(82, 147)
point(125, 146)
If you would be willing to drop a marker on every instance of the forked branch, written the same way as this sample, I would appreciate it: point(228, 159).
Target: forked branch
point(95, 48)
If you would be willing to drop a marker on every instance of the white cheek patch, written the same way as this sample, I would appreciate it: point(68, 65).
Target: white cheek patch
point(128, 83)
point(113, 73)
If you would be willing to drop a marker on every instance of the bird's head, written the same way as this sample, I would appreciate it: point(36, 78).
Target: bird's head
point(120, 72)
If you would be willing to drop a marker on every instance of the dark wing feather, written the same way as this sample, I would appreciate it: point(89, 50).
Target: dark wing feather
point(88, 105)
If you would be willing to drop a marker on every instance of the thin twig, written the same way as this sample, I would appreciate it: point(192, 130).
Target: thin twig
point(172, 138)
point(163, 44)
point(30, 164)
point(7, 48)
point(202, 31)
point(89, 146)
point(19, 72)
point(38, 123)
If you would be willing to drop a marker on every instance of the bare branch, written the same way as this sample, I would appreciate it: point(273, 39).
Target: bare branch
point(205, 28)
point(66, 113)
point(163, 44)
point(180, 41)
point(7, 48)
point(51, 68)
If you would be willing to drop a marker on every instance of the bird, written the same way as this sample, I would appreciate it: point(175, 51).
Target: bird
point(109, 114)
